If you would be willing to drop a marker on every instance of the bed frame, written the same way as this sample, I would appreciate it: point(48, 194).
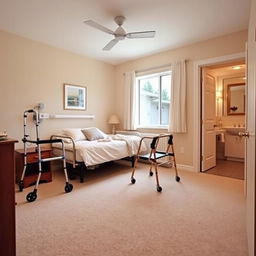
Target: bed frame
point(79, 168)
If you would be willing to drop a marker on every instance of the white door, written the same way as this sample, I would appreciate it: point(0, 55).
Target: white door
point(208, 121)
point(250, 141)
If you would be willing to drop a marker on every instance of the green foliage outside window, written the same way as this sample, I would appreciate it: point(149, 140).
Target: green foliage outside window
point(165, 95)
point(148, 87)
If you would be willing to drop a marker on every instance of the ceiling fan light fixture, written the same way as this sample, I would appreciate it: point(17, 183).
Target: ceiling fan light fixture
point(119, 20)
point(119, 33)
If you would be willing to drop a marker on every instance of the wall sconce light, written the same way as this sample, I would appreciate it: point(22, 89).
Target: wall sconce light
point(236, 67)
point(218, 95)
point(113, 119)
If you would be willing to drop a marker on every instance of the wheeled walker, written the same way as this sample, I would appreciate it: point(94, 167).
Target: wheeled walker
point(154, 155)
point(33, 195)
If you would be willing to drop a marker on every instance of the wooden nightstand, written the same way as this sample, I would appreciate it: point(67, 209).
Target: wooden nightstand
point(32, 166)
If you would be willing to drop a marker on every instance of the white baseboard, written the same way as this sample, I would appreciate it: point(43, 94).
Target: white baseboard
point(235, 159)
point(186, 167)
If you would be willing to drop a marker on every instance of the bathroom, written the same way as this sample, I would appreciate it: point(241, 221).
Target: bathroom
point(226, 144)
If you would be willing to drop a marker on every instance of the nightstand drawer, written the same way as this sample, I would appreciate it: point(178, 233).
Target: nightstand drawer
point(32, 169)
point(33, 158)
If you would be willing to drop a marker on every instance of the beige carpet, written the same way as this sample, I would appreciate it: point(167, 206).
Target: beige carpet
point(106, 216)
point(230, 169)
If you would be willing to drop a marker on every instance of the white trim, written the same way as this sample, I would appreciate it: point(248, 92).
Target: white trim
point(152, 71)
point(221, 59)
point(160, 127)
point(153, 74)
point(197, 91)
point(159, 100)
point(185, 167)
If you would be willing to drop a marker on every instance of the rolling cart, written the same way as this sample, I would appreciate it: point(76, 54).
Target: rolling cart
point(33, 195)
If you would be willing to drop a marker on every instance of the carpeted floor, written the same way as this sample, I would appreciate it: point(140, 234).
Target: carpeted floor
point(202, 215)
point(230, 169)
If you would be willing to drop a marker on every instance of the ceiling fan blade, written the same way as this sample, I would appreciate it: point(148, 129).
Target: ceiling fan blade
point(110, 45)
point(98, 26)
point(144, 34)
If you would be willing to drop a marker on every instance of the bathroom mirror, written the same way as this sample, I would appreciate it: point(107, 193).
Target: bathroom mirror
point(236, 99)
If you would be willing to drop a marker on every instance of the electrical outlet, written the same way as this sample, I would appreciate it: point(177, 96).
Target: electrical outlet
point(182, 150)
point(43, 115)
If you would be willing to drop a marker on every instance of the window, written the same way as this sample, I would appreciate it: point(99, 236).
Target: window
point(153, 100)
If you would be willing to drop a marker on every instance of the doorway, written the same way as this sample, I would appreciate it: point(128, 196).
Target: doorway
point(222, 118)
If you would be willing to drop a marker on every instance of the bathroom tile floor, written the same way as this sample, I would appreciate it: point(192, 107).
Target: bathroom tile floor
point(230, 169)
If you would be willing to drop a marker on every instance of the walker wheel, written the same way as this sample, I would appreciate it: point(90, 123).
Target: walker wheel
point(21, 185)
point(133, 181)
point(31, 197)
point(68, 187)
point(159, 189)
point(177, 178)
point(151, 173)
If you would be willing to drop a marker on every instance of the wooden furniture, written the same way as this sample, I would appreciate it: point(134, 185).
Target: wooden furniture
point(32, 166)
point(7, 198)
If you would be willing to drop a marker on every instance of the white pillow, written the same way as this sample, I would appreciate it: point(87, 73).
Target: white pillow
point(93, 133)
point(75, 133)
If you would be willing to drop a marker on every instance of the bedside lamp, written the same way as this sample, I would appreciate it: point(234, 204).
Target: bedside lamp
point(113, 120)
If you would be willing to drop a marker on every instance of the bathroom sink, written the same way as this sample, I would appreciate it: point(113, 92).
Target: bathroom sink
point(219, 131)
point(234, 130)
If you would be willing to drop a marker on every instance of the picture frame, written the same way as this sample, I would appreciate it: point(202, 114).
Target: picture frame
point(75, 97)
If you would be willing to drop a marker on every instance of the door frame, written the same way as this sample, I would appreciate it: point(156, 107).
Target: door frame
point(197, 100)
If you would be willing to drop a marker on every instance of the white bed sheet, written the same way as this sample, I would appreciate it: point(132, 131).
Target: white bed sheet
point(56, 151)
point(97, 152)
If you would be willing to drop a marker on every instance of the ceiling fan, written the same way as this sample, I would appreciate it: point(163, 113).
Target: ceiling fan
point(119, 33)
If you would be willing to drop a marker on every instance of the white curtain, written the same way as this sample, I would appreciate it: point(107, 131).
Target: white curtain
point(177, 117)
point(129, 101)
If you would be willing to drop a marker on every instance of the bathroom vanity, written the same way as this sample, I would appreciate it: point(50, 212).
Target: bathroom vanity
point(233, 118)
point(230, 145)
point(234, 144)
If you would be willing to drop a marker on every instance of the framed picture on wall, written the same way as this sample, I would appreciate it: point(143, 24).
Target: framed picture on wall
point(75, 97)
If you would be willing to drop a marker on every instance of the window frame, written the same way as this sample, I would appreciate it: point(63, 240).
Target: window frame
point(159, 75)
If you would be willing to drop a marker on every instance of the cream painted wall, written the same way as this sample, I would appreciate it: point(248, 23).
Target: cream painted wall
point(229, 44)
point(32, 72)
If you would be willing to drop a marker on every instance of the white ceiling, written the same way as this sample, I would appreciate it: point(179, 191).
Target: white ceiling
point(177, 23)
